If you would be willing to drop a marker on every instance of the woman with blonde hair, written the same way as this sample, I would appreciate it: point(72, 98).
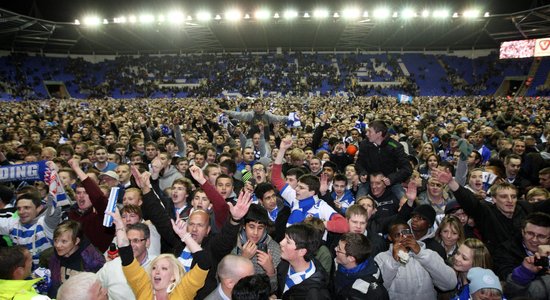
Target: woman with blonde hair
point(165, 277)
point(472, 253)
point(450, 234)
point(427, 149)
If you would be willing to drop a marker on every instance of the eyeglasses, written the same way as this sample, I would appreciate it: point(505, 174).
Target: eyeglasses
point(136, 241)
point(337, 249)
point(530, 235)
point(435, 184)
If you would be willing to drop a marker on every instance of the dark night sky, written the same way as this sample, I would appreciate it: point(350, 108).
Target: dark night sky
point(68, 10)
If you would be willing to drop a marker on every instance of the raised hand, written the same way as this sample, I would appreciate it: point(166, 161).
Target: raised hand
point(117, 218)
point(180, 227)
point(412, 190)
point(324, 184)
point(442, 176)
point(239, 210)
point(197, 174)
point(74, 163)
point(286, 143)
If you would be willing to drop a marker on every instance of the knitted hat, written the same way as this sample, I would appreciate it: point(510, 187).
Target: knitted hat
point(452, 206)
point(426, 211)
point(483, 279)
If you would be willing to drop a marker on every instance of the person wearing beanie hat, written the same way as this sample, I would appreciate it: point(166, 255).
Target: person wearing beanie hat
point(421, 224)
point(484, 282)
point(256, 244)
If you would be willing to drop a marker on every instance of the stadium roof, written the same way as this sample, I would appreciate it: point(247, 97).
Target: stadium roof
point(48, 26)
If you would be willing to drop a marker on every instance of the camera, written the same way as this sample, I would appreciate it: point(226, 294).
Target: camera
point(542, 262)
point(262, 247)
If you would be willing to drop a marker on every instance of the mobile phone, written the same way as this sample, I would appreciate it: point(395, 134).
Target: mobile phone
point(406, 232)
point(262, 247)
point(542, 262)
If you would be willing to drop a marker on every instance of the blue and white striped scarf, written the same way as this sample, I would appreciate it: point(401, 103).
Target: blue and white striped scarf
point(294, 278)
point(186, 259)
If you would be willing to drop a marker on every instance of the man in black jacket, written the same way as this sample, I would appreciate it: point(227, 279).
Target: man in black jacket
point(357, 275)
point(496, 222)
point(299, 275)
point(380, 153)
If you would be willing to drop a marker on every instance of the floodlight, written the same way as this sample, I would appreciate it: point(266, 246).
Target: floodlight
point(486, 15)
point(336, 15)
point(233, 15)
point(381, 13)
point(262, 14)
point(146, 19)
point(366, 14)
point(176, 17)
point(320, 13)
point(217, 17)
point(92, 21)
point(425, 13)
point(189, 18)
point(120, 20)
point(440, 13)
point(351, 13)
point(276, 16)
point(394, 14)
point(203, 16)
point(246, 16)
point(132, 19)
point(408, 13)
point(290, 14)
point(306, 15)
point(471, 13)
point(77, 22)
point(105, 21)
point(161, 19)
point(455, 15)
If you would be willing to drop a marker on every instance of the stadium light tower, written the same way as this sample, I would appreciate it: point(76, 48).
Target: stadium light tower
point(92, 21)
point(262, 14)
point(425, 13)
point(471, 14)
point(204, 16)
point(408, 13)
point(290, 14)
point(146, 19)
point(320, 13)
point(440, 13)
point(232, 15)
point(176, 17)
point(381, 13)
point(351, 13)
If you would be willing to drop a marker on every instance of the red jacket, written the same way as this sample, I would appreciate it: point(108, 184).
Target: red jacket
point(92, 219)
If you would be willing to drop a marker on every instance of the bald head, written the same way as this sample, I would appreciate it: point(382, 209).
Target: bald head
point(234, 266)
point(231, 269)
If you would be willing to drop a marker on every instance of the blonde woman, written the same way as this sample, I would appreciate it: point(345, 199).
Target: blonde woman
point(472, 253)
point(165, 278)
point(450, 234)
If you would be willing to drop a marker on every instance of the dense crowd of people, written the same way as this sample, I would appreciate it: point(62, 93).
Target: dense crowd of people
point(275, 198)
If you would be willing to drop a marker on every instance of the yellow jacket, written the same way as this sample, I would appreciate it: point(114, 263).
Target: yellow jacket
point(140, 282)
